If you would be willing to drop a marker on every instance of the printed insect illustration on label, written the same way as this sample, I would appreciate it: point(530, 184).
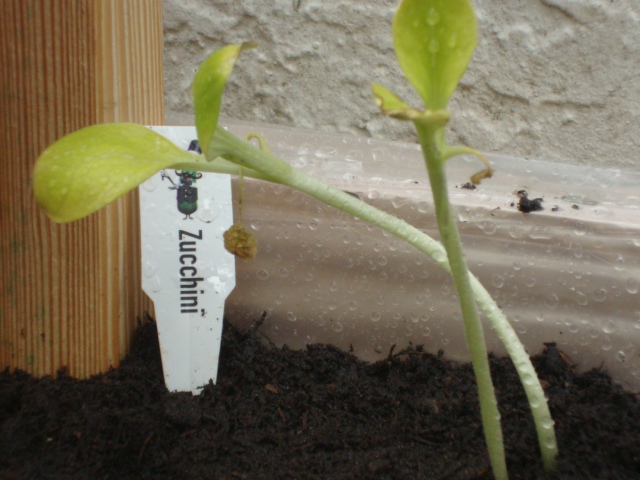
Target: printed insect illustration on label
point(186, 192)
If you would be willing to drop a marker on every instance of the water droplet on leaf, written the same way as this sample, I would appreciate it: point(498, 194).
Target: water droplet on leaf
point(433, 17)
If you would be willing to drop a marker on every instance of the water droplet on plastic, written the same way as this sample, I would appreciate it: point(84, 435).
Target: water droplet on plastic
point(580, 229)
point(326, 152)
point(262, 274)
point(304, 149)
point(375, 316)
point(621, 356)
point(498, 281)
point(600, 295)
point(578, 251)
point(609, 326)
point(291, 317)
point(581, 298)
point(551, 300)
point(489, 228)
point(632, 285)
point(337, 327)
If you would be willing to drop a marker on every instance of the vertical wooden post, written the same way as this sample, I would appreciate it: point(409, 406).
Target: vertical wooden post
point(71, 293)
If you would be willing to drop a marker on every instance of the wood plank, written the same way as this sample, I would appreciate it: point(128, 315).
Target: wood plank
point(71, 293)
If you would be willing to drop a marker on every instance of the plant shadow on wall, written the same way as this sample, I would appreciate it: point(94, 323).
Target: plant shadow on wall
point(434, 41)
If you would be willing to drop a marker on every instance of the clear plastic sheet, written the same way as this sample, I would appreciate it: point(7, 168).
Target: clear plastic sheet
point(568, 274)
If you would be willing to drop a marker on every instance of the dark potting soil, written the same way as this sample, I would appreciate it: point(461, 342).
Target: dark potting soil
point(315, 414)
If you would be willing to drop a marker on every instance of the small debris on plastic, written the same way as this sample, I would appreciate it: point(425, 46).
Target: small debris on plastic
point(528, 205)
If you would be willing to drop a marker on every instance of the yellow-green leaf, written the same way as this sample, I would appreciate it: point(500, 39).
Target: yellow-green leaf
point(391, 105)
point(386, 100)
point(208, 85)
point(87, 169)
point(434, 41)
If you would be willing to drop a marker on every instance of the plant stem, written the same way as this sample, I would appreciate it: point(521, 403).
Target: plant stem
point(450, 238)
point(259, 165)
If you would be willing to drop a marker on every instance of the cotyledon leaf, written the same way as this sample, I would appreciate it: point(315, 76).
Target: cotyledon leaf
point(208, 85)
point(87, 169)
point(434, 41)
point(393, 106)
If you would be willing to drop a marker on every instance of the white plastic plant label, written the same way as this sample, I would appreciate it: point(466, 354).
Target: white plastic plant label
point(186, 271)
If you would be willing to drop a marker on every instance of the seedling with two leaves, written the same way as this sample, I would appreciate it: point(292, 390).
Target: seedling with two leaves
point(434, 41)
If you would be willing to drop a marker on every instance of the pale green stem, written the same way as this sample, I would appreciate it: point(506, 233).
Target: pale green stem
point(256, 164)
point(450, 238)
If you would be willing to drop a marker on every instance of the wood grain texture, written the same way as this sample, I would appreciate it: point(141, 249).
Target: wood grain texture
point(71, 293)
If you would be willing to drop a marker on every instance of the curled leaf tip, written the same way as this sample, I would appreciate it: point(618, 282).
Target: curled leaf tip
point(262, 143)
point(482, 174)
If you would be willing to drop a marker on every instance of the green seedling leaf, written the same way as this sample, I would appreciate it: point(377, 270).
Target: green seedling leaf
point(391, 105)
point(208, 85)
point(434, 41)
point(87, 169)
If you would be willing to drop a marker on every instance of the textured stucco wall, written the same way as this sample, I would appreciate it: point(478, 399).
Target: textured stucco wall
point(551, 79)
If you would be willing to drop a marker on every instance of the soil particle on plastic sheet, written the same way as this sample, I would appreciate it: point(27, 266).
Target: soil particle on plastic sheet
point(313, 414)
point(528, 205)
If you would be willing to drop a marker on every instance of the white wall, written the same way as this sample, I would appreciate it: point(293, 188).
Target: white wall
point(552, 79)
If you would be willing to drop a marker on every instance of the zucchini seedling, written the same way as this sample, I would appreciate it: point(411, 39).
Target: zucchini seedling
point(434, 41)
